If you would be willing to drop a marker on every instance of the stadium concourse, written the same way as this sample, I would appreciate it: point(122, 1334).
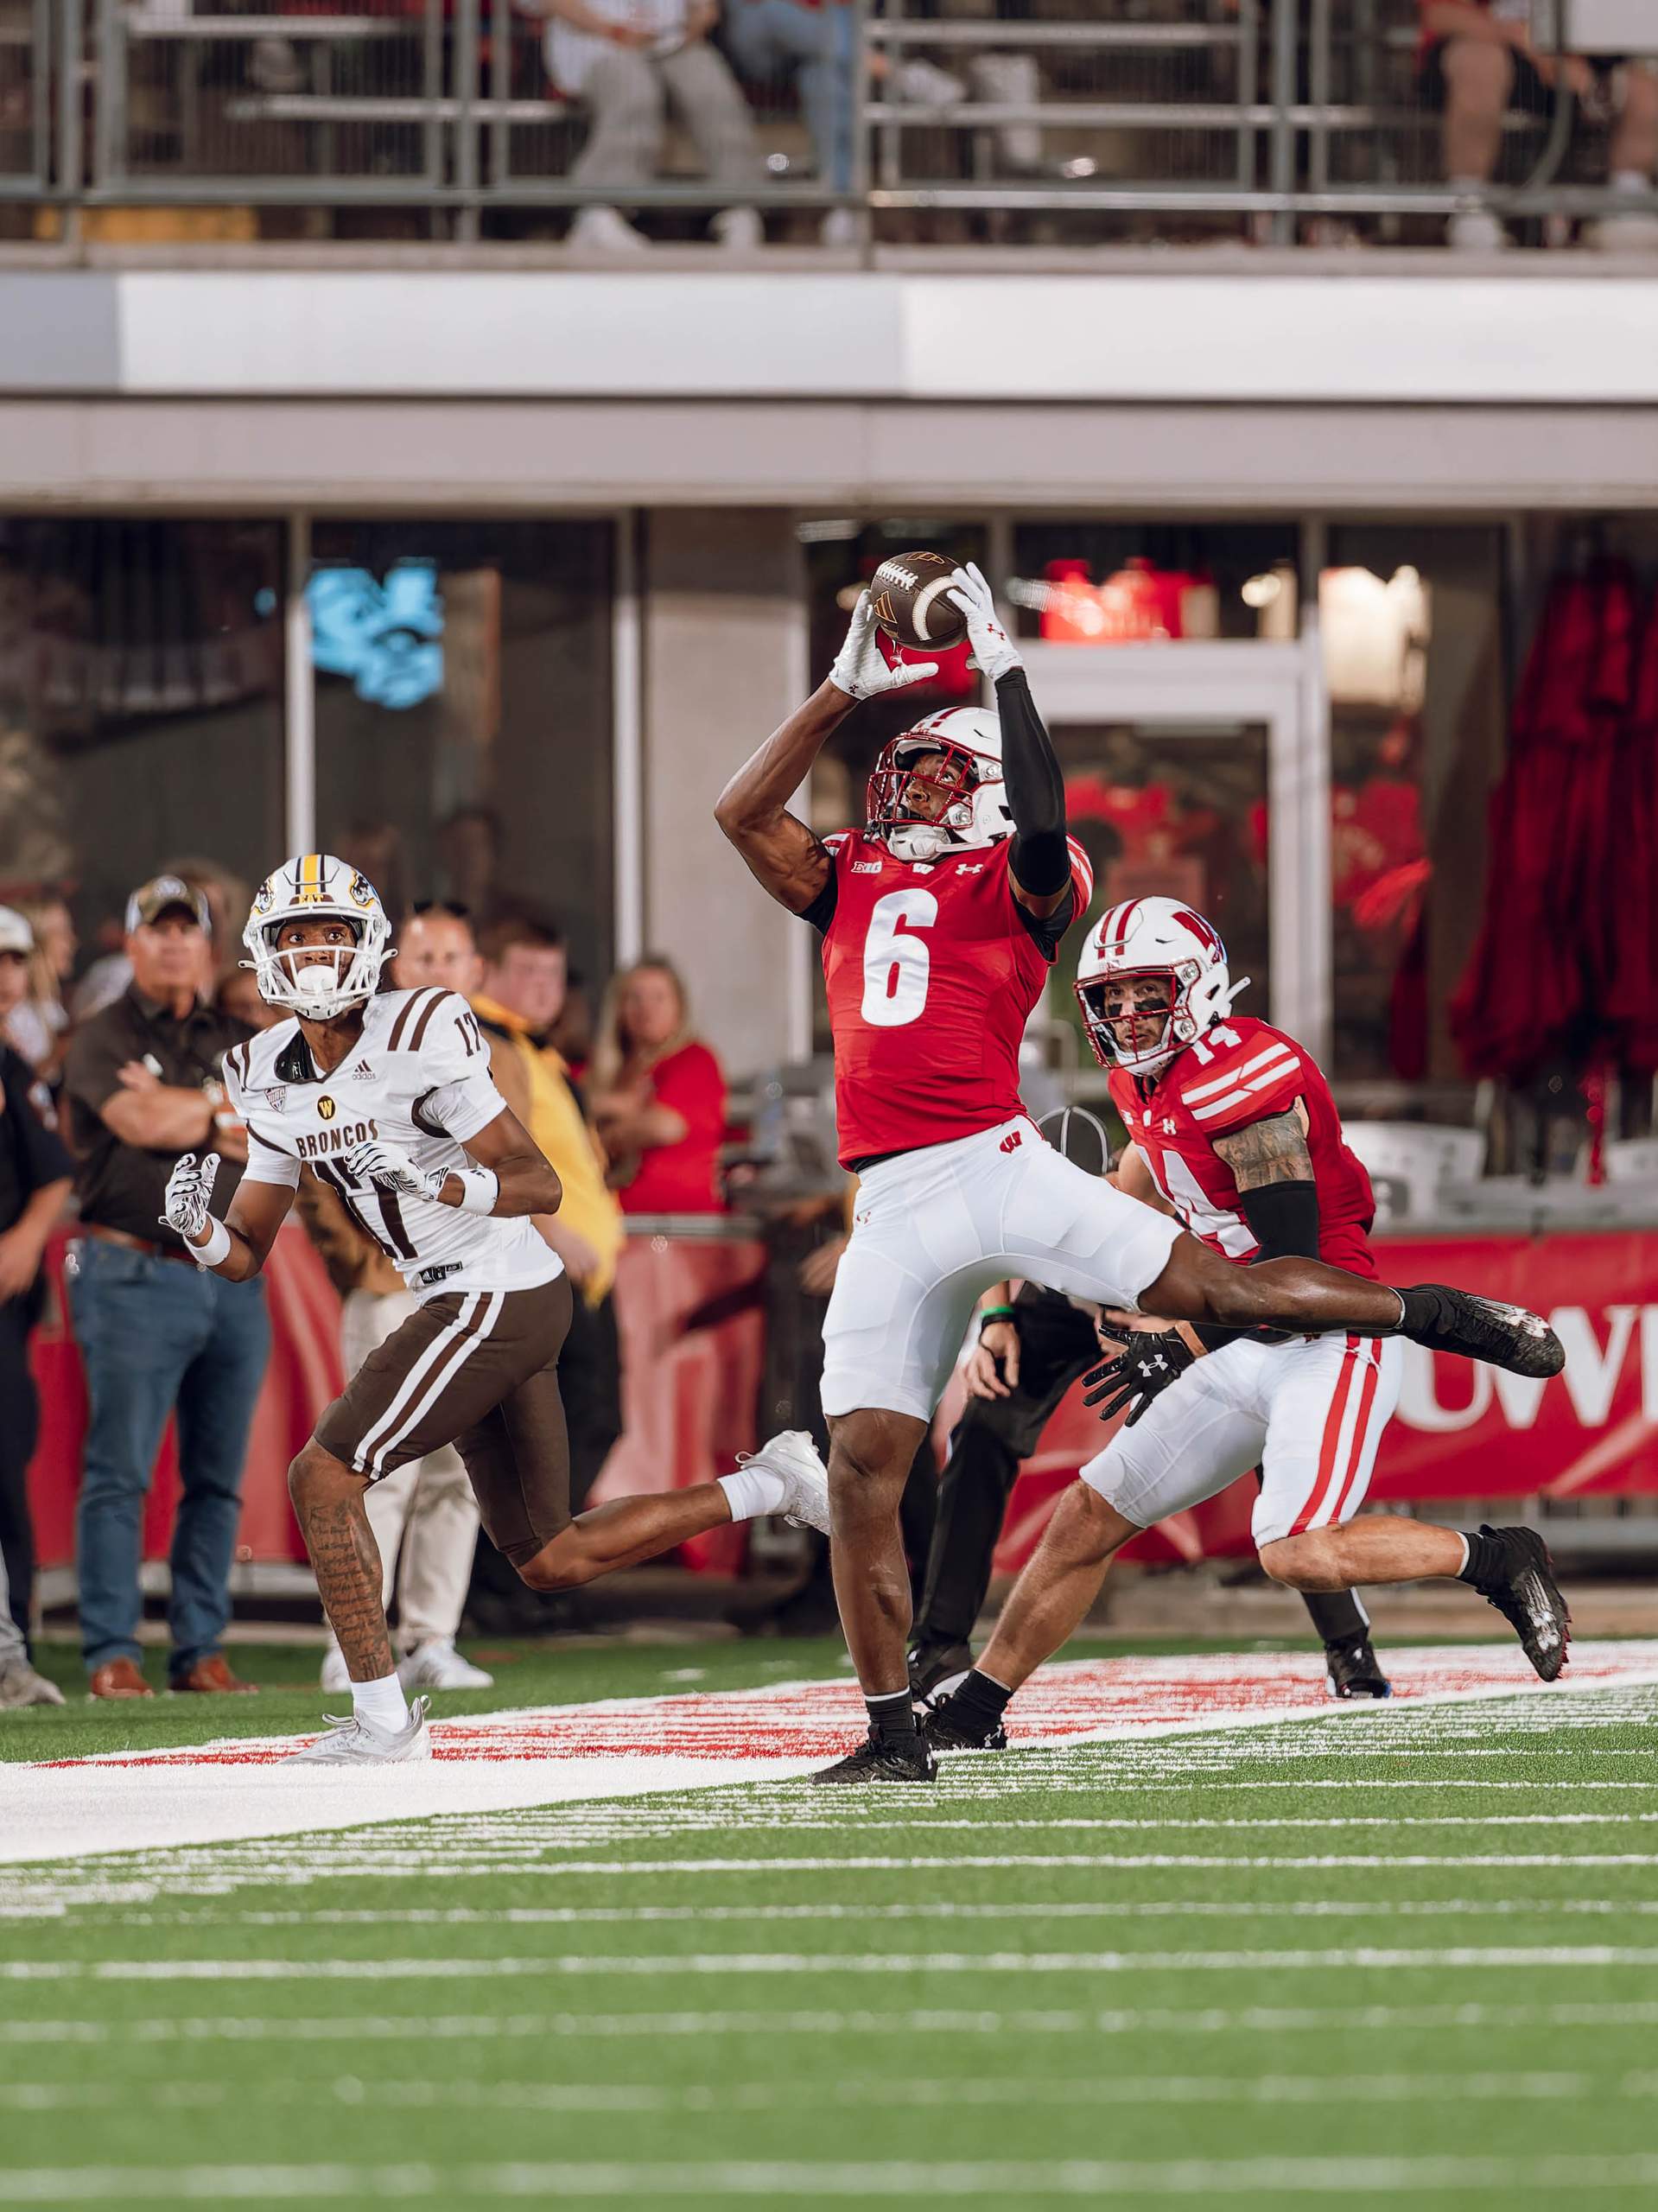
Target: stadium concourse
point(1200, 1935)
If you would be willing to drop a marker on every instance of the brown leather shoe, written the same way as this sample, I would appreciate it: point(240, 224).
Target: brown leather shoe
point(214, 1677)
point(119, 1678)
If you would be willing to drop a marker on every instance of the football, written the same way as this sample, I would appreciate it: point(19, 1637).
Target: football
point(909, 592)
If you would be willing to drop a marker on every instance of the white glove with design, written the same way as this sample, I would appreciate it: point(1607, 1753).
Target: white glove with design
point(859, 669)
point(994, 651)
point(188, 1204)
point(383, 1165)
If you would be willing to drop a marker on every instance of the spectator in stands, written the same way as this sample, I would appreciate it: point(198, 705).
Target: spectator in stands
point(35, 1179)
point(657, 1095)
point(238, 995)
point(771, 40)
point(424, 1517)
point(626, 59)
point(142, 1085)
point(37, 1026)
point(519, 1002)
point(1478, 61)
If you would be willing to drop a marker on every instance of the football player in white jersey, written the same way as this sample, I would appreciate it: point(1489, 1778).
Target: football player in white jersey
point(387, 1097)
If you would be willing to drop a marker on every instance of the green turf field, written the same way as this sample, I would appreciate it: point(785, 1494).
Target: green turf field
point(1407, 1957)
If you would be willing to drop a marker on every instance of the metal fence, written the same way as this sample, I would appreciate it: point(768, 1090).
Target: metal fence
point(930, 120)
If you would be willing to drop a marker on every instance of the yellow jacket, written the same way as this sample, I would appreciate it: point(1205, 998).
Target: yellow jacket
point(550, 1109)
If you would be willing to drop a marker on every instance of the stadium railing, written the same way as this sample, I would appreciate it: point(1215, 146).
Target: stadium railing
point(1284, 121)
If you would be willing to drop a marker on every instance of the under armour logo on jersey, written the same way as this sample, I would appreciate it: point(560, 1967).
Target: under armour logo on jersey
point(971, 868)
point(1013, 1141)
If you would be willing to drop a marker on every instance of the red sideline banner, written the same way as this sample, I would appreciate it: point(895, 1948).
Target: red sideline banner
point(1461, 1431)
point(691, 1317)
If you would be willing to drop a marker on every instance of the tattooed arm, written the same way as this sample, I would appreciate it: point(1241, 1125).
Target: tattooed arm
point(1277, 1194)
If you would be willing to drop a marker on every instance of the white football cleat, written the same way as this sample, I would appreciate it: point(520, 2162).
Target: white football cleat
point(334, 1677)
point(793, 1456)
point(436, 1665)
point(20, 1686)
point(354, 1741)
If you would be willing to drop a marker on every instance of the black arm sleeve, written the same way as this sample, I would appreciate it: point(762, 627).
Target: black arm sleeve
point(1284, 1218)
point(1036, 790)
point(821, 912)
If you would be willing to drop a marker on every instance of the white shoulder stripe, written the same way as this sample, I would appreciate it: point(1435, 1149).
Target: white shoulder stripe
point(1261, 1059)
point(1244, 1091)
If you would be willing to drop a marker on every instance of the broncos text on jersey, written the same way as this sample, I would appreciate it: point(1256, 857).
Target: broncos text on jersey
point(418, 1078)
point(1242, 1070)
point(932, 969)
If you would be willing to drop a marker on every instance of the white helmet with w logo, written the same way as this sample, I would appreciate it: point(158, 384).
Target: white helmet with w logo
point(1153, 976)
point(316, 981)
point(958, 803)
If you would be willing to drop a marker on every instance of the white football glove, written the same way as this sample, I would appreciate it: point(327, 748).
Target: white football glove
point(188, 1204)
point(859, 669)
point(388, 1169)
point(994, 651)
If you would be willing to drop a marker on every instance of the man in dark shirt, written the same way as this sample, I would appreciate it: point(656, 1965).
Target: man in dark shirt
point(34, 1181)
point(142, 1083)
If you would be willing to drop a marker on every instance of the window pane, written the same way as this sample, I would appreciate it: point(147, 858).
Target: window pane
point(463, 714)
point(141, 708)
point(1412, 623)
point(1170, 816)
point(1081, 582)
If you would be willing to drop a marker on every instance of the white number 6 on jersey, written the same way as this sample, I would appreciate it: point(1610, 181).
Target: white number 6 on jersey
point(895, 963)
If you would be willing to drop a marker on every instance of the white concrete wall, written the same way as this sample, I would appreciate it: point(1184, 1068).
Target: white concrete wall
point(723, 664)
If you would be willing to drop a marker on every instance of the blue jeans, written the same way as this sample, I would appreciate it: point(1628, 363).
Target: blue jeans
point(155, 1335)
point(764, 36)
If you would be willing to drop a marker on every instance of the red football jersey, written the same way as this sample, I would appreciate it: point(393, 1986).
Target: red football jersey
point(931, 975)
point(1238, 1072)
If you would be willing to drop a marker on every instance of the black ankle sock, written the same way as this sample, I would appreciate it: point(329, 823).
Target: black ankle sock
point(1485, 1558)
point(980, 1699)
point(892, 1716)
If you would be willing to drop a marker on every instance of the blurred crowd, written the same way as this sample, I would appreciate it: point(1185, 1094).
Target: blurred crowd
point(111, 1069)
point(620, 96)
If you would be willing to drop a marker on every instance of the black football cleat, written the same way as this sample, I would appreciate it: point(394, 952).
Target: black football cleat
point(1352, 1670)
point(1525, 1592)
point(934, 1669)
point(1485, 1328)
point(946, 1730)
point(910, 1760)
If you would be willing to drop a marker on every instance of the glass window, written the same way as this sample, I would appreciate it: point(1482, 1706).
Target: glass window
point(1412, 621)
point(141, 711)
point(1082, 582)
point(1171, 814)
point(463, 714)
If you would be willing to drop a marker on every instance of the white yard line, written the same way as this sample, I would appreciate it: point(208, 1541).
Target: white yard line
point(666, 1967)
point(1013, 2180)
point(646, 1746)
point(341, 2025)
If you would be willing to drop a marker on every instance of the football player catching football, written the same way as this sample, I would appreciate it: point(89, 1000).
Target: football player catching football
point(939, 921)
point(387, 1097)
point(1233, 1130)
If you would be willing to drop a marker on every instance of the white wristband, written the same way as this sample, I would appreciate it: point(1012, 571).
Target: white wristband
point(480, 1188)
point(217, 1247)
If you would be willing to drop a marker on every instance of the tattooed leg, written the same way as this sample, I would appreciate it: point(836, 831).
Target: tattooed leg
point(329, 1499)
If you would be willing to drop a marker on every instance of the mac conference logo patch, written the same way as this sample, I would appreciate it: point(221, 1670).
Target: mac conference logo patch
point(325, 1107)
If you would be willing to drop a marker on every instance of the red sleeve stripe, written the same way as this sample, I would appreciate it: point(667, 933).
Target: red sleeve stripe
point(1275, 1052)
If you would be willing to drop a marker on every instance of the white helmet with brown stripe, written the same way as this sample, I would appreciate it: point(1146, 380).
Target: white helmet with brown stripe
point(1153, 976)
point(318, 980)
